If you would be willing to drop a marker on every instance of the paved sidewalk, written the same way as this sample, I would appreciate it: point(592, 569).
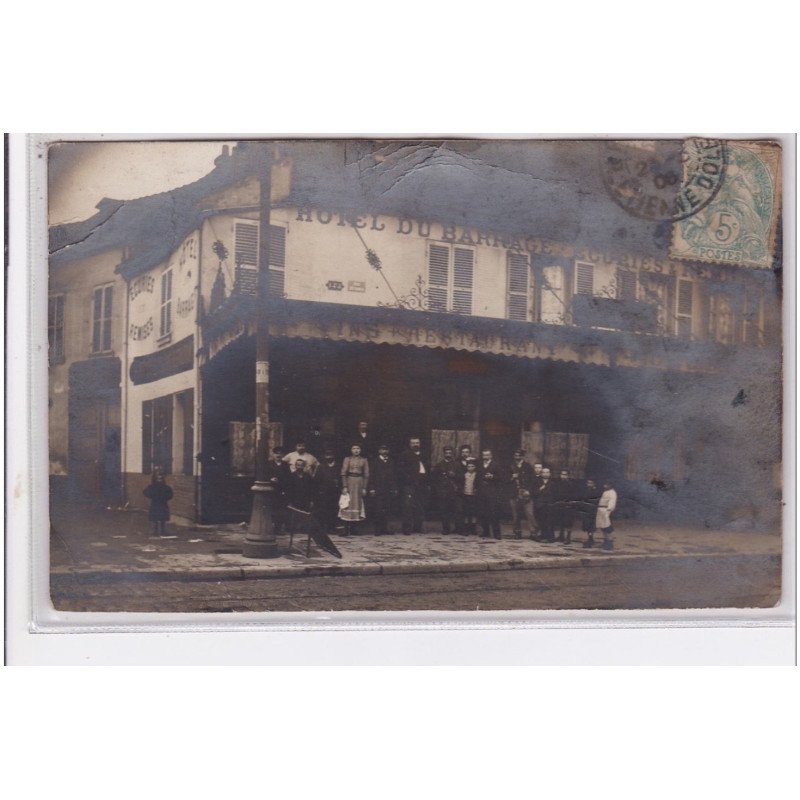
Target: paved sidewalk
point(117, 545)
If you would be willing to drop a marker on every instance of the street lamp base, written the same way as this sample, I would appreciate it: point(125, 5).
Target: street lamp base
point(258, 549)
point(260, 541)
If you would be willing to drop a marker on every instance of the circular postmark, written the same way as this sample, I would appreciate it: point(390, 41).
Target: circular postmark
point(663, 180)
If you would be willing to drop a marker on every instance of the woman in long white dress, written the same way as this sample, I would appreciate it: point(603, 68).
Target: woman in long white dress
point(355, 479)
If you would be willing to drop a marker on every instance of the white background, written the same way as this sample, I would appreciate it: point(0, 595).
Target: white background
point(407, 68)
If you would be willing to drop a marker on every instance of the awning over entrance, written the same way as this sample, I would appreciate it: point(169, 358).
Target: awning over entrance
point(565, 343)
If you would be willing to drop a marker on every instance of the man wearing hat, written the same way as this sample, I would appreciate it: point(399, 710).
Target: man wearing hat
point(412, 477)
point(330, 488)
point(382, 490)
point(522, 482)
point(445, 476)
point(277, 476)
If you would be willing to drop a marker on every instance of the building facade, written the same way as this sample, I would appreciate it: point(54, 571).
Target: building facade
point(605, 362)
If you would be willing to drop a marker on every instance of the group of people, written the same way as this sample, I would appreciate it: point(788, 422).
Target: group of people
point(467, 493)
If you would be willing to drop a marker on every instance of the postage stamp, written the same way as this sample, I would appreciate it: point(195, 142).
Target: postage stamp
point(738, 224)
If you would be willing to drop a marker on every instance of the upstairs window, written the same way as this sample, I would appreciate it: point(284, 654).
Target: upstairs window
point(519, 288)
point(246, 243)
point(101, 319)
point(450, 278)
point(720, 319)
point(277, 261)
point(626, 285)
point(55, 328)
point(753, 316)
point(552, 305)
point(165, 327)
point(584, 278)
point(683, 310)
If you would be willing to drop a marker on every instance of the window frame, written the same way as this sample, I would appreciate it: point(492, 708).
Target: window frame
point(165, 306)
point(102, 325)
point(578, 265)
point(681, 316)
point(277, 271)
point(56, 355)
point(451, 287)
point(528, 294)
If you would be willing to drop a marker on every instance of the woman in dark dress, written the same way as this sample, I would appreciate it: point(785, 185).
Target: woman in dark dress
point(159, 495)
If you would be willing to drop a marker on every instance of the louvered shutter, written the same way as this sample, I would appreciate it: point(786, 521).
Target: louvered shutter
point(245, 256)
point(584, 278)
point(245, 246)
point(438, 277)
point(518, 286)
point(463, 268)
point(277, 261)
point(626, 285)
point(684, 308)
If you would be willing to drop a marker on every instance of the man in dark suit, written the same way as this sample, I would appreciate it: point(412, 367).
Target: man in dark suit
point(521, 486)
point(363, 438)
point(382, 490)
point(544, 496)
point(412, 478)
point(277, 476)
point(446, 477)
point(302, 488)
point(330, 488)
point(491, 486)
point(464, 456)
point(566, 496)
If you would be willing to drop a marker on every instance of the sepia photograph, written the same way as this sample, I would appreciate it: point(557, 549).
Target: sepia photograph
point(459, 375)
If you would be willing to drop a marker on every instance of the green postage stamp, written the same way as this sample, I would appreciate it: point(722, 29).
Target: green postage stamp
point(738, 225)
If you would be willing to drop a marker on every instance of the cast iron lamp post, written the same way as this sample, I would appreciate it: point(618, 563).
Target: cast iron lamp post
point(260, 541)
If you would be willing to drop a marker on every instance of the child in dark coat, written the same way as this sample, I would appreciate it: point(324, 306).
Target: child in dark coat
point(159, 495)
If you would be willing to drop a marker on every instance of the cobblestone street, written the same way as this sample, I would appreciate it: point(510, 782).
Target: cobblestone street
point(107, 560)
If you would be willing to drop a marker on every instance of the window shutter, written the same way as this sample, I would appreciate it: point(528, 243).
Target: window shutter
point(245, 244)
point(438, 277)
point(97, 320)
point(626, 285)
point(277, 246)
point(463, 264)
point(277, 283)
point(685, 298)
point(166, 302)
point(108, 299)
point(684, 308)
point(518, 286)
point(277, 261)
point(584, 278)
point(55, 328)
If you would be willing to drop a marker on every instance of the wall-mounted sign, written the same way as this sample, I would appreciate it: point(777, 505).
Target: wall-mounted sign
point(356, 286)
point(334, 286)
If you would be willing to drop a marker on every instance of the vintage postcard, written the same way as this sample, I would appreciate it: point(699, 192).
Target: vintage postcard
point(415, 375)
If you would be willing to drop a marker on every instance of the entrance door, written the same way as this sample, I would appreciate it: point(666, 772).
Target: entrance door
point(94, 445)
point(441, 439)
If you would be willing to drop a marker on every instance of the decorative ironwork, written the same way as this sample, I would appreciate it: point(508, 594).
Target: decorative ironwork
point(220, 251)
point(415, 300)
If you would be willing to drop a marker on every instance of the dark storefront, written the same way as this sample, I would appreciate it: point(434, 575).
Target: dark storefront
point(667, 438)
